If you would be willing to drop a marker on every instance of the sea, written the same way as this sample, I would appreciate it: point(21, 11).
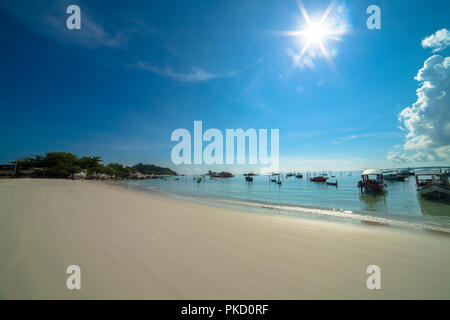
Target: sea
point(400, 207)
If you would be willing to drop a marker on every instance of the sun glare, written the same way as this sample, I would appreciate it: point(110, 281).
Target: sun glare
point(315, 33)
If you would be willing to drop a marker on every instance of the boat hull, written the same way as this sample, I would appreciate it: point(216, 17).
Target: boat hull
point(374, 188)
point(398, 178)
point(435, 191)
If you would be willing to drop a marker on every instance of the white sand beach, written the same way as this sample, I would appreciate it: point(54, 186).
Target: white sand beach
point(129, 244)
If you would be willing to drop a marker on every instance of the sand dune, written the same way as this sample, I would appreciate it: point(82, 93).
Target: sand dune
point(134, 245)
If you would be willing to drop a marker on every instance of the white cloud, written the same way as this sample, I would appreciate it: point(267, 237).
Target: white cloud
point(427, 121)
point(402, 158)
point(349, 138)
point(195, 74)
point(438, 41)
point(299, 60)
point(91, 33)
point(397, 157)
point(443, 152)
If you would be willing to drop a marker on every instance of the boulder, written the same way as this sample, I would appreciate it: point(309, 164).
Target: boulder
point(80, 175)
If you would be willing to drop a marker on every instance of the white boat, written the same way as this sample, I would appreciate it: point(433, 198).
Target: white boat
point(393, 176)
point(432, 184)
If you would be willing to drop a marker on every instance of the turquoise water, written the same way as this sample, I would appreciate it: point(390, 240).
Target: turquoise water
point(400, 205)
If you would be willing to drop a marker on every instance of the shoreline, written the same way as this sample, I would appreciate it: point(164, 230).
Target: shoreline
point(131, 244)
point(297, 211)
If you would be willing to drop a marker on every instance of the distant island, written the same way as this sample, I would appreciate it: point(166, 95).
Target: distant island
point(222, 174)
point(69, 165)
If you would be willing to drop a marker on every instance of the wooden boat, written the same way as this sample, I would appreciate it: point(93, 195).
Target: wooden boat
point(432, 184)
point(251, 174)
point(320, 178)
point(372, 181)
point(277, 180)
point(393, 176)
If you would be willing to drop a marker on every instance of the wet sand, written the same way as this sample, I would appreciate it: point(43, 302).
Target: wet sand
point(130, 244)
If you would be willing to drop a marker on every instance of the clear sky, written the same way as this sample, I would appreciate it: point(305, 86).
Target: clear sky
point(137, 70)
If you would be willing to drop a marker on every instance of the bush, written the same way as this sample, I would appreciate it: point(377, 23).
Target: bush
point(62, 164)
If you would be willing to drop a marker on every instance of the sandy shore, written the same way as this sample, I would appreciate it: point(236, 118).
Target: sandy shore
point(133, 245)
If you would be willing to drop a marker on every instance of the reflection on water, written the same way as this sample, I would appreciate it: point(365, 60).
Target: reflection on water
point(373, 202)
point(435, 208)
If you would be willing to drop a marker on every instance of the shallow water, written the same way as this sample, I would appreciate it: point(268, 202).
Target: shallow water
point(401, 204)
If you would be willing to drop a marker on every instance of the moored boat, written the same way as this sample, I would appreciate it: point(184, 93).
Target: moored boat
point(299, 176)
point(432, 184)
point(372, 181)
point(393, 176)
point(407, 172)
point(320, 178)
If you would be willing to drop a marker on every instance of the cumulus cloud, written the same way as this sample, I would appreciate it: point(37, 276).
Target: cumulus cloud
point(427, 121)
point(437, 41)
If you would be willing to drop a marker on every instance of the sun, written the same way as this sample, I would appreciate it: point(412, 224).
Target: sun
point(315, 33)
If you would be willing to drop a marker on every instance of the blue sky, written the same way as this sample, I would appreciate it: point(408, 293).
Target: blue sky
point(136, 71)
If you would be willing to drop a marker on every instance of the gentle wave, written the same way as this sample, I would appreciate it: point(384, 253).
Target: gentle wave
point(345, 214)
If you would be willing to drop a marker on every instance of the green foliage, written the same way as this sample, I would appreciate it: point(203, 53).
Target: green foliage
point(92, 165)
point(62, 164)
point(118, 170)
point(152, 169)
point(28, 163)
point(55, 164)
point(59, 164)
